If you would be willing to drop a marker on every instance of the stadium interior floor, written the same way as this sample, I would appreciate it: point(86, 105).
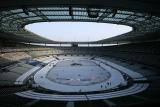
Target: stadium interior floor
point(148, 97)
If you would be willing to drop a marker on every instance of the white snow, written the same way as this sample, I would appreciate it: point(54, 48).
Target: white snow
point(64, 78)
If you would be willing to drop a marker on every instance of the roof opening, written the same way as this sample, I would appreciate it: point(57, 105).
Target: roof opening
point(77, 31)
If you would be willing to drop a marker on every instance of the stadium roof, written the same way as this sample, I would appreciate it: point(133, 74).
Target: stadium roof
point(142, 15)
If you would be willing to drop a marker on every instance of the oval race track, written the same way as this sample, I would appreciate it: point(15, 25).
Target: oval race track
point(114, 81)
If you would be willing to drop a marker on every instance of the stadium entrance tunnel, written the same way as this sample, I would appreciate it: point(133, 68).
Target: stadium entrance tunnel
point(77, 31)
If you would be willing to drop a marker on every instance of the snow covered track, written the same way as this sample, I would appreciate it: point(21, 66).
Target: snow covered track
point(84, 77)
point(136, 88)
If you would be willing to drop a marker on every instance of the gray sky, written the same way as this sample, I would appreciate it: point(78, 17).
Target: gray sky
point(77, 31)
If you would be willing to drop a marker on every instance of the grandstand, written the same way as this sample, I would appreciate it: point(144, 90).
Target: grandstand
point(120, 71)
